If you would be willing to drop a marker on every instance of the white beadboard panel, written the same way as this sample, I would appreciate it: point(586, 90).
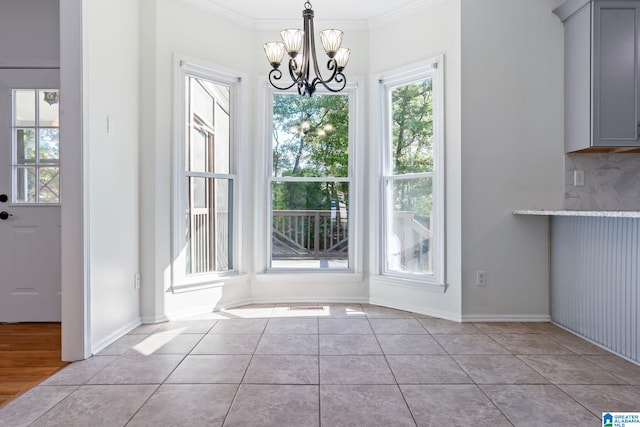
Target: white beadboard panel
point(594, 280)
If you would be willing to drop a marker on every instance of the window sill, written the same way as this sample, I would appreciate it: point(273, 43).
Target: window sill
point(411, 283)
point(208, 283)
point(310, 276)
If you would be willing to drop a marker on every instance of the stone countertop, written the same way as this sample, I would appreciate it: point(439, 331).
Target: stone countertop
point(561, 212)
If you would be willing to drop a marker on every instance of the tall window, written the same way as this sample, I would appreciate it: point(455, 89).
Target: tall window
point(413, 179)
point(210, 187)
point(204, 218)
point(36, 146)
point(310, 182)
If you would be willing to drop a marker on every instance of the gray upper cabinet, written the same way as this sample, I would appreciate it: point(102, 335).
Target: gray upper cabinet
point(602, 76)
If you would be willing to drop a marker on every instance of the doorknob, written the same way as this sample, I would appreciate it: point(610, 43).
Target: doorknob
point(4, 215)
point(3, 198)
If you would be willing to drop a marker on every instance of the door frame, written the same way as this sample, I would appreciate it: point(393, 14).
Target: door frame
point(74, 236)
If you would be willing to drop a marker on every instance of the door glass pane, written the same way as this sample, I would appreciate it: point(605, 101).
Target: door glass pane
point(209, 222)
point(25, 179)
point(25, 108)
point(310, 225)
point(36, 146)
point(25, 146)
point(49, 185)
point(409, 223)
point(48, 108)
point(310, 135)
point(49, 146)
point(412, 127)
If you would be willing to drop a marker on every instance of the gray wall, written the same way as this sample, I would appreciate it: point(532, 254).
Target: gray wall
point(29, 33)
point(512, 153)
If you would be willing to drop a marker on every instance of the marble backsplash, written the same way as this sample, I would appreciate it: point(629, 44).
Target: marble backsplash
point(611, 182)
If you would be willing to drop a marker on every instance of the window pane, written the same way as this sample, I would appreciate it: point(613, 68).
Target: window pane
point(49, 107)
point(25, 146)
point(209, 136)
point(49, 185)
point(202, 102)
point(25, 180)
point(412, 127)
point(310, 135)
point(222, 141)
point(25, 108)
point(310, 225)
point(209, 223)
point(49, 146)
point(410, 223)
point(198, 147)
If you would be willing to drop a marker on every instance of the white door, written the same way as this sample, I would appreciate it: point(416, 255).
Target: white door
point(29, 196)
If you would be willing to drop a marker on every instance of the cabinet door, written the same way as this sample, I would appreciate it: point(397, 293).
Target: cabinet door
point(616, 118)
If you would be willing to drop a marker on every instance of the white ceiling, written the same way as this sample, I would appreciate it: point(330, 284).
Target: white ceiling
point(274, 13)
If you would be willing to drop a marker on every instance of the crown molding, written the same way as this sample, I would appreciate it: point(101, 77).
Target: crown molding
point(344, 24)
point(216, 9)
point(568, 8)
point(403, 12)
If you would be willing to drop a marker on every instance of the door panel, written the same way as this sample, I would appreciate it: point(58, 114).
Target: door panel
point(30, 236)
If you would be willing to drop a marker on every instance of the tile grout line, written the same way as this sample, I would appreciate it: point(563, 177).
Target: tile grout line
point(404, 399)
point(235, 395)
point(473, 380)
point(163, 382)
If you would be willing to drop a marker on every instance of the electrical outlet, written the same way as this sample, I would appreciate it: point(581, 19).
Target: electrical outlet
point(136, 281)
point(578, 178)
point(481, 278)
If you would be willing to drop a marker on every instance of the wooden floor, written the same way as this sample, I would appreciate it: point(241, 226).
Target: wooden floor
point(29, 353)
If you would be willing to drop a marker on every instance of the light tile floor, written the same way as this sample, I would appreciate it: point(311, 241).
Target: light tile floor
point(334, 365)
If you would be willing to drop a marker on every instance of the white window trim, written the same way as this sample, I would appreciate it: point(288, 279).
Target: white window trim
point(434, 68)
point(356, 162)
point(186, 66)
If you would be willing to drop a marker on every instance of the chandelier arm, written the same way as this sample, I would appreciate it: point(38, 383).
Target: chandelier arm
point(276, 74)
point(295, 78)
point(339, 78)
point(331, 64)
point(309, 44)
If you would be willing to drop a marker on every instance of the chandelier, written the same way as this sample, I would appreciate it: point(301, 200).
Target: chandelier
point(301, 47)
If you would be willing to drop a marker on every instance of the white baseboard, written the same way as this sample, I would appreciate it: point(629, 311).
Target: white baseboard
point(455, 317)
point(152, 320)
point(506, 318)
point(310, 300)
point(206, 309)
point(96, 348)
